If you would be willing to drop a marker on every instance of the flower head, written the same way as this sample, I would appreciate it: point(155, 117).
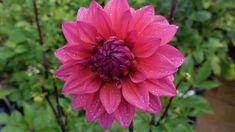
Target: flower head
point(118, 59)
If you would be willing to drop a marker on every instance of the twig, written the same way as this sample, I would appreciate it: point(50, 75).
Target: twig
point(172, 11)
point(43, 90)
point(167, 106)
point(131, 127)
point(57, 113)
point(41, 40)
point(152, 122)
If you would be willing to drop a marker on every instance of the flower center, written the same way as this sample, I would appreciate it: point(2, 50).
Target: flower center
point(112, 59)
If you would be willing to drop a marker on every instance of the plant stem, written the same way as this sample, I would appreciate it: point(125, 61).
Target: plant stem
point(41, 40)
point(58, 113)
point(172, 11)
point(59, 110)
point(167, 106)
point(153, 121)
point(131, 127)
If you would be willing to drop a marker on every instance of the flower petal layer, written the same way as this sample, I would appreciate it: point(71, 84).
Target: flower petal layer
point(79, 100)
point(87, 32)
point(146, 46)
point(82, 14)
point(84, 81)
point(161, 87)
point(105, 120)
point(99, 19)
point(67, 69)
point(70, 30)
point(156, 66)
point(174, 55)
point(124, 114)
point(155, 105)
point(94, 107)
point(164, 31)
point(110, 97)
point(143, 17)
point(135, 94)
point(137, 76)
point(115, 9)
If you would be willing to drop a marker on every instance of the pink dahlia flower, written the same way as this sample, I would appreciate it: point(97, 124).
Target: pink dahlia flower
point(117, 59)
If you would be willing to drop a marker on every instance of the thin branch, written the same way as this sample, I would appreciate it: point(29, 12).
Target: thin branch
point(57, 113)
point(51, 106)
point(43, 89)
point(41, 40)
point(167, 106)
point(152, 122)
point(131, 127)
point(172, 11)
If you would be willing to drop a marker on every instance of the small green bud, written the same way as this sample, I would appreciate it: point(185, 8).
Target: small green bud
point(186, 76)
point(38, 99)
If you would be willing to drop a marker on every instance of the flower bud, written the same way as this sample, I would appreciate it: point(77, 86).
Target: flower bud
point(38, 99)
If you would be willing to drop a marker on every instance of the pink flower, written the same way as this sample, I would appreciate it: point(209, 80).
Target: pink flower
point(118, 59)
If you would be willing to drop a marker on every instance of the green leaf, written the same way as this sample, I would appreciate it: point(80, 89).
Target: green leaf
point(15, 118)
point(4, 92)
point(29, 112)
point(3, 118)
point(202, 16)
point(215, 64)
point(204, 72)
point(198, 55)
point(188, 65)
point(15, 128)
point(208, 84)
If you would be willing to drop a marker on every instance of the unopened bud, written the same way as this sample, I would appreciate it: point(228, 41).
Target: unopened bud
point(38, 99)
point(186, 76)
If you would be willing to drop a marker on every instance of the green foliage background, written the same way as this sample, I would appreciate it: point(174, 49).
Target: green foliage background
point(206, 37)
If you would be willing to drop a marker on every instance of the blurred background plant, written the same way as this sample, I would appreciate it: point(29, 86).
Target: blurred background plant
point(28, 89)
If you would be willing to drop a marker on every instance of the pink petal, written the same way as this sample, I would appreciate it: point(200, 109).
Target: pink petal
point(171, 78)
point(115, 9)
point(79, 100)
point(67, 69)
point(124, 114)
point(155, 105)
point(105, 120)
point(131, 38)
point(82, 14)
point(70, 30)
point(136, 76)
point(123, 26)
point(161, 87)
point(99, 19)
point(160, 19)
point(110, 97)
point(135, 94)
point(164, 31)
point(156, 66)
point(143, 17)
point(62, 55)
point(87, 32)
point(76, 52)
point(94, 107)
point(72, 52)
point(81, 82)
point(146, 46)
point(174, 55)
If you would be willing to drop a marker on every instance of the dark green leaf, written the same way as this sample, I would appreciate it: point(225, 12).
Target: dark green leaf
point(208, 84)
